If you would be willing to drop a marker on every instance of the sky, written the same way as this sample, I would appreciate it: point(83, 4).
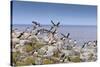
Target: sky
point(67, 14)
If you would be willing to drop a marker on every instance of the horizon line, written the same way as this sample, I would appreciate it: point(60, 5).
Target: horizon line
point(51, 24)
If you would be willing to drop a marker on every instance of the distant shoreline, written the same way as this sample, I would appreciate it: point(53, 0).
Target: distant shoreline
point(49, 25)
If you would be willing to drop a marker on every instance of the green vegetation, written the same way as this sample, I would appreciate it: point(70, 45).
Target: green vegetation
point(29, 60)
point(26, 61)
point(28, 48)
point(75, 58)
point(47, 61)
point(90, 57)
point(38, 45)
point(14, 56)
point(56, 54)
point(20, 63)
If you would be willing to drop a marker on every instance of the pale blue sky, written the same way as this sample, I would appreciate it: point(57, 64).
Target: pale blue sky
point(67, 14)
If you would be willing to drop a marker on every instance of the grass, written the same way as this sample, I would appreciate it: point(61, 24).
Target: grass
point(75, 58)
point(28, 48)
point(14, 56)
point(26, 61)
point(47, 61)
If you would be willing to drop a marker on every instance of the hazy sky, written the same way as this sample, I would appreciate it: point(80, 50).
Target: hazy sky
point(67, 14)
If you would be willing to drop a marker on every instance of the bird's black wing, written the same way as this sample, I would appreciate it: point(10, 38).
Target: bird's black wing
point(83, 45)
point(58, 24)
point(20, 35)
point(68, 35)
point(52, 23)
point(63, 35)
point(51, 27)
point(34, 22)
point(54, 31)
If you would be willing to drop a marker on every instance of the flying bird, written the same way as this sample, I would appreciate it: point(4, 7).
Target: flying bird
point(65, 36)
point(54, 25)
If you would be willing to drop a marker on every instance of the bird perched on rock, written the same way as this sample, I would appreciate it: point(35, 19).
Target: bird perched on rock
point(22, 33)
point(84, 45)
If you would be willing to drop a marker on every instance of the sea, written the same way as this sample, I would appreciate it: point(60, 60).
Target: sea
point(80, 33)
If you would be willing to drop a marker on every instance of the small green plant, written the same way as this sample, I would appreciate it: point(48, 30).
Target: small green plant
point(19, 63)
point(28, 48)
point(47, 61)
point(29, 60)
point(75, 58)
point(38, 45)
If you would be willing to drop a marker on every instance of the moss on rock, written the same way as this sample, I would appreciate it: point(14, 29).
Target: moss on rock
point(38, 45)
point(14, 56)
point(20, 63)
point(28, 48)
point(47, 61)
point(75, 58)
point(29, 60)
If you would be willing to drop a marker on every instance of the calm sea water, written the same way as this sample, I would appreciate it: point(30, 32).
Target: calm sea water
point(79, 33)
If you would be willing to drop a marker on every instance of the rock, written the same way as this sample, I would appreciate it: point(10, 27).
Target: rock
point(25, 42)
point(35, 54)
point(38, 61)
point(17, 46)
point(15, 41)
point(67, 52)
